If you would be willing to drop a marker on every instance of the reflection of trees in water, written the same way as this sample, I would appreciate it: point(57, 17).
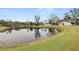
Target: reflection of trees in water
point(31, 29)
point(51, 31)
point(17, 29)
point(45, 29)
point(27, 29)
point(9, 30)
point(37, 33)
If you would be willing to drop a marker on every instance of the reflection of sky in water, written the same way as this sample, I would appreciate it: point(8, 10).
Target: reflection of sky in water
point(23, 35)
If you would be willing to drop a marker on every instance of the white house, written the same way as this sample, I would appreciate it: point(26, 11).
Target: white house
point(47, 24)
point(65, 23)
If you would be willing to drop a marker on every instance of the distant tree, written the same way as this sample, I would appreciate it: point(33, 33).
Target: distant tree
point(31, 23)
point(50, 21)
point(67, 17)
point(53, 20)
point(2, 21)
point(37, 19)
point(41, 23)
point(75, 14)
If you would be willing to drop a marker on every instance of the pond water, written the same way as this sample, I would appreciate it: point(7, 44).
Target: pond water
point(26, 35)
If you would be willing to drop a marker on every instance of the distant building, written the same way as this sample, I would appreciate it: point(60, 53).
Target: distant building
point(64, 23)
point(47, 24)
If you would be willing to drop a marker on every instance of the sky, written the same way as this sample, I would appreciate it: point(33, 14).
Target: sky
point(27, 14)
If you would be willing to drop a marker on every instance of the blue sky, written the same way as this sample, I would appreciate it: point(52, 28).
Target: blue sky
point(27, 14)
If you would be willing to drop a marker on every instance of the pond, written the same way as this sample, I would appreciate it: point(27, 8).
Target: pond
point(26, 35)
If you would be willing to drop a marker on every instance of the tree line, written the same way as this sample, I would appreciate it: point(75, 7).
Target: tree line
point(18, 24)
point(70, 16)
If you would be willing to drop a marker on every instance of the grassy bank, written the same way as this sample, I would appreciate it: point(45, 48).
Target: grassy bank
point(3, 28)
point(66, 40)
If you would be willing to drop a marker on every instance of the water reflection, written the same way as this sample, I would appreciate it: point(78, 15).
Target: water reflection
point(17, 29)
point(31, 29)
point(51, 31)
point(27, 29)
point(37, 33)
point(24, 35)
point(9, 31)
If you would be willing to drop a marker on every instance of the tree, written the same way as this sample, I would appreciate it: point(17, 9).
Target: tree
point(75, 14)
point(50, 21)
point(31, 23)
point(37, 19)
point(53, 20)
point(67, 17)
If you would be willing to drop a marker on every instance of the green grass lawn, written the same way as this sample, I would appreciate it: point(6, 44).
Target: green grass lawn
point(67, 40)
